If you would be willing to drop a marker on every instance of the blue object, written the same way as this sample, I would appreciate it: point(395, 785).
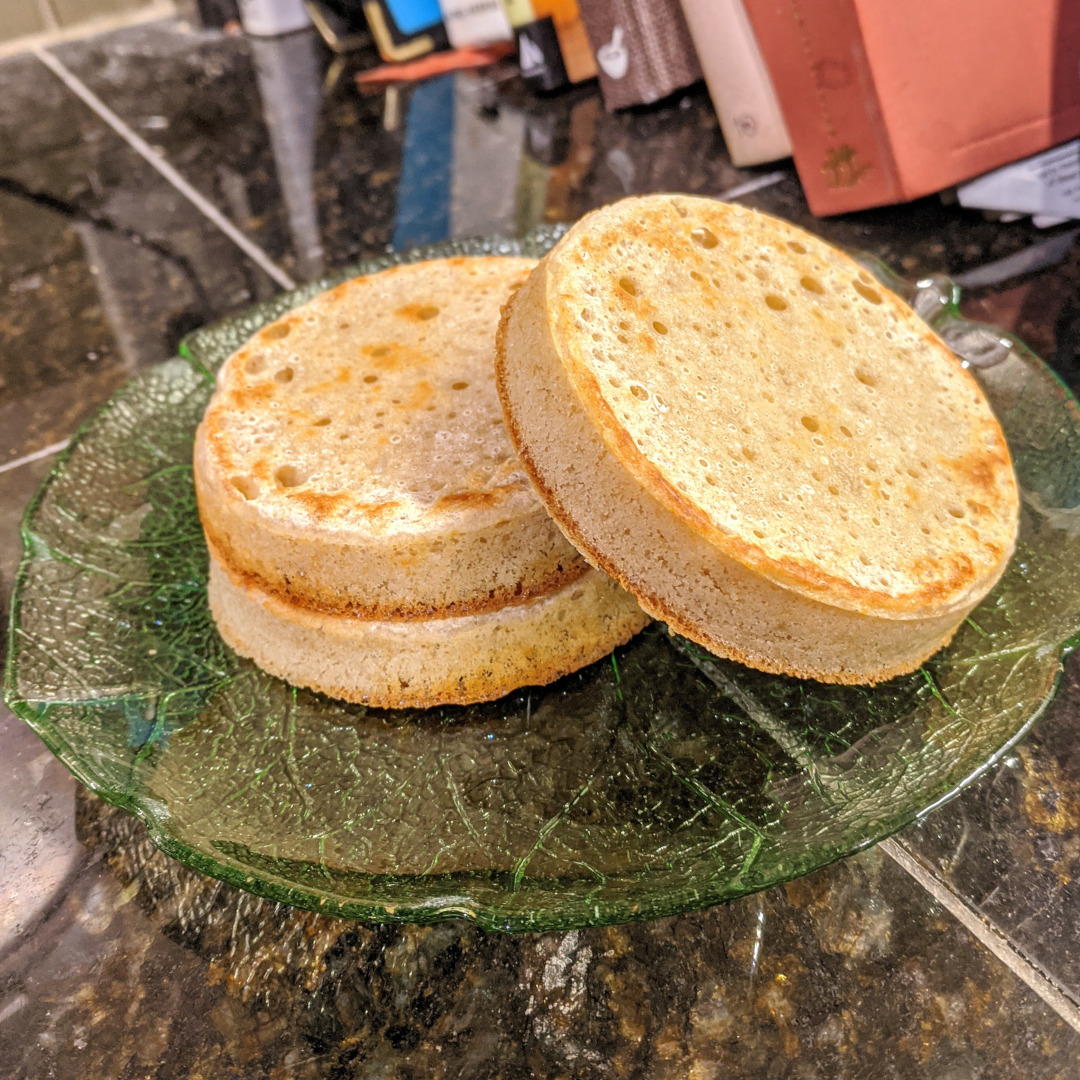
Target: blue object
point(414, 15)
point(423, 207)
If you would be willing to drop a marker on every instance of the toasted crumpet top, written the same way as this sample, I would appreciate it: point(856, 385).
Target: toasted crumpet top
point(373, 407)
point(767, 390)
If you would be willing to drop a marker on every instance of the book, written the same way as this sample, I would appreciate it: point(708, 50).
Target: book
point(643, 51)
point(540, 56)
point(885, 102)
point(739, 84)
point(574, 45)
point(475, 23)
point(405, 29)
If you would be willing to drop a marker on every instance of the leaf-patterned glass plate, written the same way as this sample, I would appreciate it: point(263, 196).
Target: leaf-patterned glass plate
point(656, 781)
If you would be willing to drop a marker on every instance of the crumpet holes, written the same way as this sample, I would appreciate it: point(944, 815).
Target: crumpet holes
point(659, 327)
point(428, 311)
point(459, 386)
point(371, 379)
point(811, 284)
point(865, 377)
point(290, 476)
point(323, 421)
point(255, 365)
point(380, 350)
point(796, 247)
point(275, 333)
point(704, 237)
point(284, 375)
point(639, 392)
point(866, 292)
point(809, 423)
point(956, 511)
point(628, 286)
point(248, 486)
point(776, 303)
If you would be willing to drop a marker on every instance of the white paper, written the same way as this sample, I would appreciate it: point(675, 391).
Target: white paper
point(475, 23)
point(1047, 184)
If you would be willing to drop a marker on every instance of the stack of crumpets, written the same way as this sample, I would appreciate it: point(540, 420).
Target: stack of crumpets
point(372, 532)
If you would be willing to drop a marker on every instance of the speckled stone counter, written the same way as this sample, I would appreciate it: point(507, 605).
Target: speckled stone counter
point(117, 962)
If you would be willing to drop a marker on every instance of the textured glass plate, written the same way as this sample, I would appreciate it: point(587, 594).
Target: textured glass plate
point(656, 781)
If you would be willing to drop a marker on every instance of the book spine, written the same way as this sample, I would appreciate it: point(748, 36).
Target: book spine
point(815, 52)
point(405, 29)
point(518, 12)
point(742, 92)
point(475, 23)
point(643, 51)
point(574, 45)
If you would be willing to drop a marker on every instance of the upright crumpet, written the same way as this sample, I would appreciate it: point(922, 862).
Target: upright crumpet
point(354, 459)
point(773, 453)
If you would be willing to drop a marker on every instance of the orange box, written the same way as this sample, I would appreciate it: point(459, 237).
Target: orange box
point(887, 100)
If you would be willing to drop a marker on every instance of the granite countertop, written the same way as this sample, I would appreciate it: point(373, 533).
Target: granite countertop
point(954, 953)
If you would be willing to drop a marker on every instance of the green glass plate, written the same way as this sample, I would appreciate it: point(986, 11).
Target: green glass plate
point(654, 782)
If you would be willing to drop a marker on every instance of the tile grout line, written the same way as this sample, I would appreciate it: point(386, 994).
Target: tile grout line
point(146, 152)
point(986, 933)
point(37, 455)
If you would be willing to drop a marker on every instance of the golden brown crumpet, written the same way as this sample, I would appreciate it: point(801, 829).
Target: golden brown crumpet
point(354, 457)
point(372, 533)
point(769, 449)
point(421, 663)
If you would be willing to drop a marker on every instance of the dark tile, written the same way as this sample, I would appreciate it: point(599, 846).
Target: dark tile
point(103, 265)
point(95, 944)
point(1011, 844)
point(40, 851)
point(849, 973)
point(195, 96)
point(35, 115)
